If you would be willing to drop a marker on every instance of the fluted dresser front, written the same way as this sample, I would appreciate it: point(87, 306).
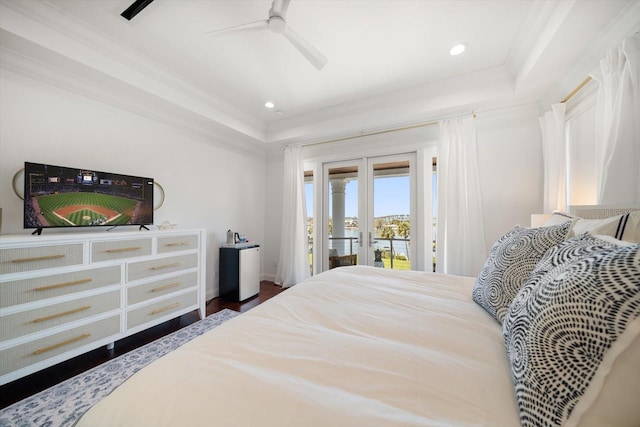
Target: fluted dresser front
point(62, 295)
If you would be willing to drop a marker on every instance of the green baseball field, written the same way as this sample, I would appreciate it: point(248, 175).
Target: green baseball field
point(78, 209)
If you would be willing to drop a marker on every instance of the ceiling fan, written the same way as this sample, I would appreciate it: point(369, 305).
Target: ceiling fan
point(278, 24)
point(135, 8)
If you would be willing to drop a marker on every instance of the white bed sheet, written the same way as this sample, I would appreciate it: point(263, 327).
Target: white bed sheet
point(355, 346)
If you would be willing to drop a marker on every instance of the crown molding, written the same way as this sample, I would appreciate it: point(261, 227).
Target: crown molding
point(444, 98)
point(48, 35)
point(62, 73)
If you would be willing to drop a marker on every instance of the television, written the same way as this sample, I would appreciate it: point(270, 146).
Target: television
point(60, 196)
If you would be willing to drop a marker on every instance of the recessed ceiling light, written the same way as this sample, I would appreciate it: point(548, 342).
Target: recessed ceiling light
point(269, 104)
point(458, 49)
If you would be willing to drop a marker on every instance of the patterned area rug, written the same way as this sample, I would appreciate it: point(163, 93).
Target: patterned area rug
point(64, 403)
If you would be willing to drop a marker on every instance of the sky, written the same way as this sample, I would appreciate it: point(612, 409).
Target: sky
point(391, 197)
point(392, 192)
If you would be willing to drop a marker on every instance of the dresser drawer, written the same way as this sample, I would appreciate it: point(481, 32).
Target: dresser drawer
point(143, 269)
point(23, 355)
point(17, 260)
point(163, 308)
point(38, 288)
point(139, 293)
point(177, 243)
point(40, 319)
point(120, 249)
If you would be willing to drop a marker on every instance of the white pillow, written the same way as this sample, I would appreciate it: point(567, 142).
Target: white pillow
point(558, 218)
point(623, 227)
point(615, 397)
point(632, 230)
point(612, 240)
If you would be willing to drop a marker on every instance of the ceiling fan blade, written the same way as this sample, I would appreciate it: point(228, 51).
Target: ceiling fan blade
point(279, 8)
point(256, 25)
point(312, 54)
point(135, 8)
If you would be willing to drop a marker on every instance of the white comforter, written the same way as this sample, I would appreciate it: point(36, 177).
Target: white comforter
point(355, 346)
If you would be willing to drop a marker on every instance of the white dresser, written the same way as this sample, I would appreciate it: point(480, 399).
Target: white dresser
point(62, 295)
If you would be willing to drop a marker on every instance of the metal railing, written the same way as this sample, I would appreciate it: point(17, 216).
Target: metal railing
point(392, 252)
point(353, 244)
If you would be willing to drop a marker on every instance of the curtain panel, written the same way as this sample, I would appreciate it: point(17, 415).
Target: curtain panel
point(554, 148)
point(618, 124)
point(460, 234)
point(293, 265)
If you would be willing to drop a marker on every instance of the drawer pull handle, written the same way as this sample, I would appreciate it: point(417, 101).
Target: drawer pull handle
point(37, 258)
point(63, 285)
point(66, 313)
point(177, 244)
point(60, 344)
point(118, 250)
point(161, 267)
point(165, 287)
point(165, 308)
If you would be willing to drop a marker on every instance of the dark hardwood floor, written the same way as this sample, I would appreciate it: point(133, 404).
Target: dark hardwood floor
point(36, 382)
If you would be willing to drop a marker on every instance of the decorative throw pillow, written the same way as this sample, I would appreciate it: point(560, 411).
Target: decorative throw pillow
point(566, 320)
point(558, 255)
point(510, 262)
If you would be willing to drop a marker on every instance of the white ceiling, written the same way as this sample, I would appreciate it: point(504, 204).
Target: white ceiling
point(388, 60)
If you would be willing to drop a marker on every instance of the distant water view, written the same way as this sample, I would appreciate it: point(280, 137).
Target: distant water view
point(400, 245)
point(390, 193)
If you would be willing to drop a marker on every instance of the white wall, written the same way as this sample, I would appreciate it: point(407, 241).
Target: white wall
point(510, 166)
point(217, 188)
point(511, 170)
point(273, 213)
point(206, 186)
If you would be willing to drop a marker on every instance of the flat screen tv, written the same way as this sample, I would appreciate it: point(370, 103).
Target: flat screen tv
point(60, 196)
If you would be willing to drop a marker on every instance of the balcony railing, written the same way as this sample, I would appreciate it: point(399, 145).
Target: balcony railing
point(345, 246)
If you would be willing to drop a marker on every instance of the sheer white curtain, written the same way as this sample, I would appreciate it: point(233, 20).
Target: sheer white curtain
point(554, 153)
point(293, 266)
point(460, 238)
point(618, 124)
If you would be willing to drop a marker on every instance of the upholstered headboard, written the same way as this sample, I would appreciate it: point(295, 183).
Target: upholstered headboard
point(599, 211)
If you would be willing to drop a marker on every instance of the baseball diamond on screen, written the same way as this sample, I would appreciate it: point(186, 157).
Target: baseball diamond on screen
point(56, 196)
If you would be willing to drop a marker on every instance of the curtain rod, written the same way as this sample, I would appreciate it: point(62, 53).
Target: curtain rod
point(363, 134)
point(587, 80)
point(379, 132)
point(576, 90)
point(424, 124)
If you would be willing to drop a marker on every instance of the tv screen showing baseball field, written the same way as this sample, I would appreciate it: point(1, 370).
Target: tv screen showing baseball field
point(59, 196)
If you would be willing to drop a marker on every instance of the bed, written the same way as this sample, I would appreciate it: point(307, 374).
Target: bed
point(367, 346)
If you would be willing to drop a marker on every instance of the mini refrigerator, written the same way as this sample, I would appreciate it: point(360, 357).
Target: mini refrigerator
point(239, 272)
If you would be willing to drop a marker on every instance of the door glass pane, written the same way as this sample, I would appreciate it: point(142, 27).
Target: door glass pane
point(343, 216)
point(391, 215)
point(434, 209)
point(308, 190)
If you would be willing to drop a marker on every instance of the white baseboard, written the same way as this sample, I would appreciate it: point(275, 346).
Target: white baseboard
point(269, 277)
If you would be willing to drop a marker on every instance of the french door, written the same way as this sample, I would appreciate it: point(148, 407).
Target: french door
point(369, 205)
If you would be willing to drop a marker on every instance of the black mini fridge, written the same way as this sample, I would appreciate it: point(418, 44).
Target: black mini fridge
point(239, 272)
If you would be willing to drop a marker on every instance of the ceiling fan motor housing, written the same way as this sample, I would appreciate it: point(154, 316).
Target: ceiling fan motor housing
point(277, 24)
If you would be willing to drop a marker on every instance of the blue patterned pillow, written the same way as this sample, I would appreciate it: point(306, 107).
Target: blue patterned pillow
point(571, 312)
point(511, 261)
